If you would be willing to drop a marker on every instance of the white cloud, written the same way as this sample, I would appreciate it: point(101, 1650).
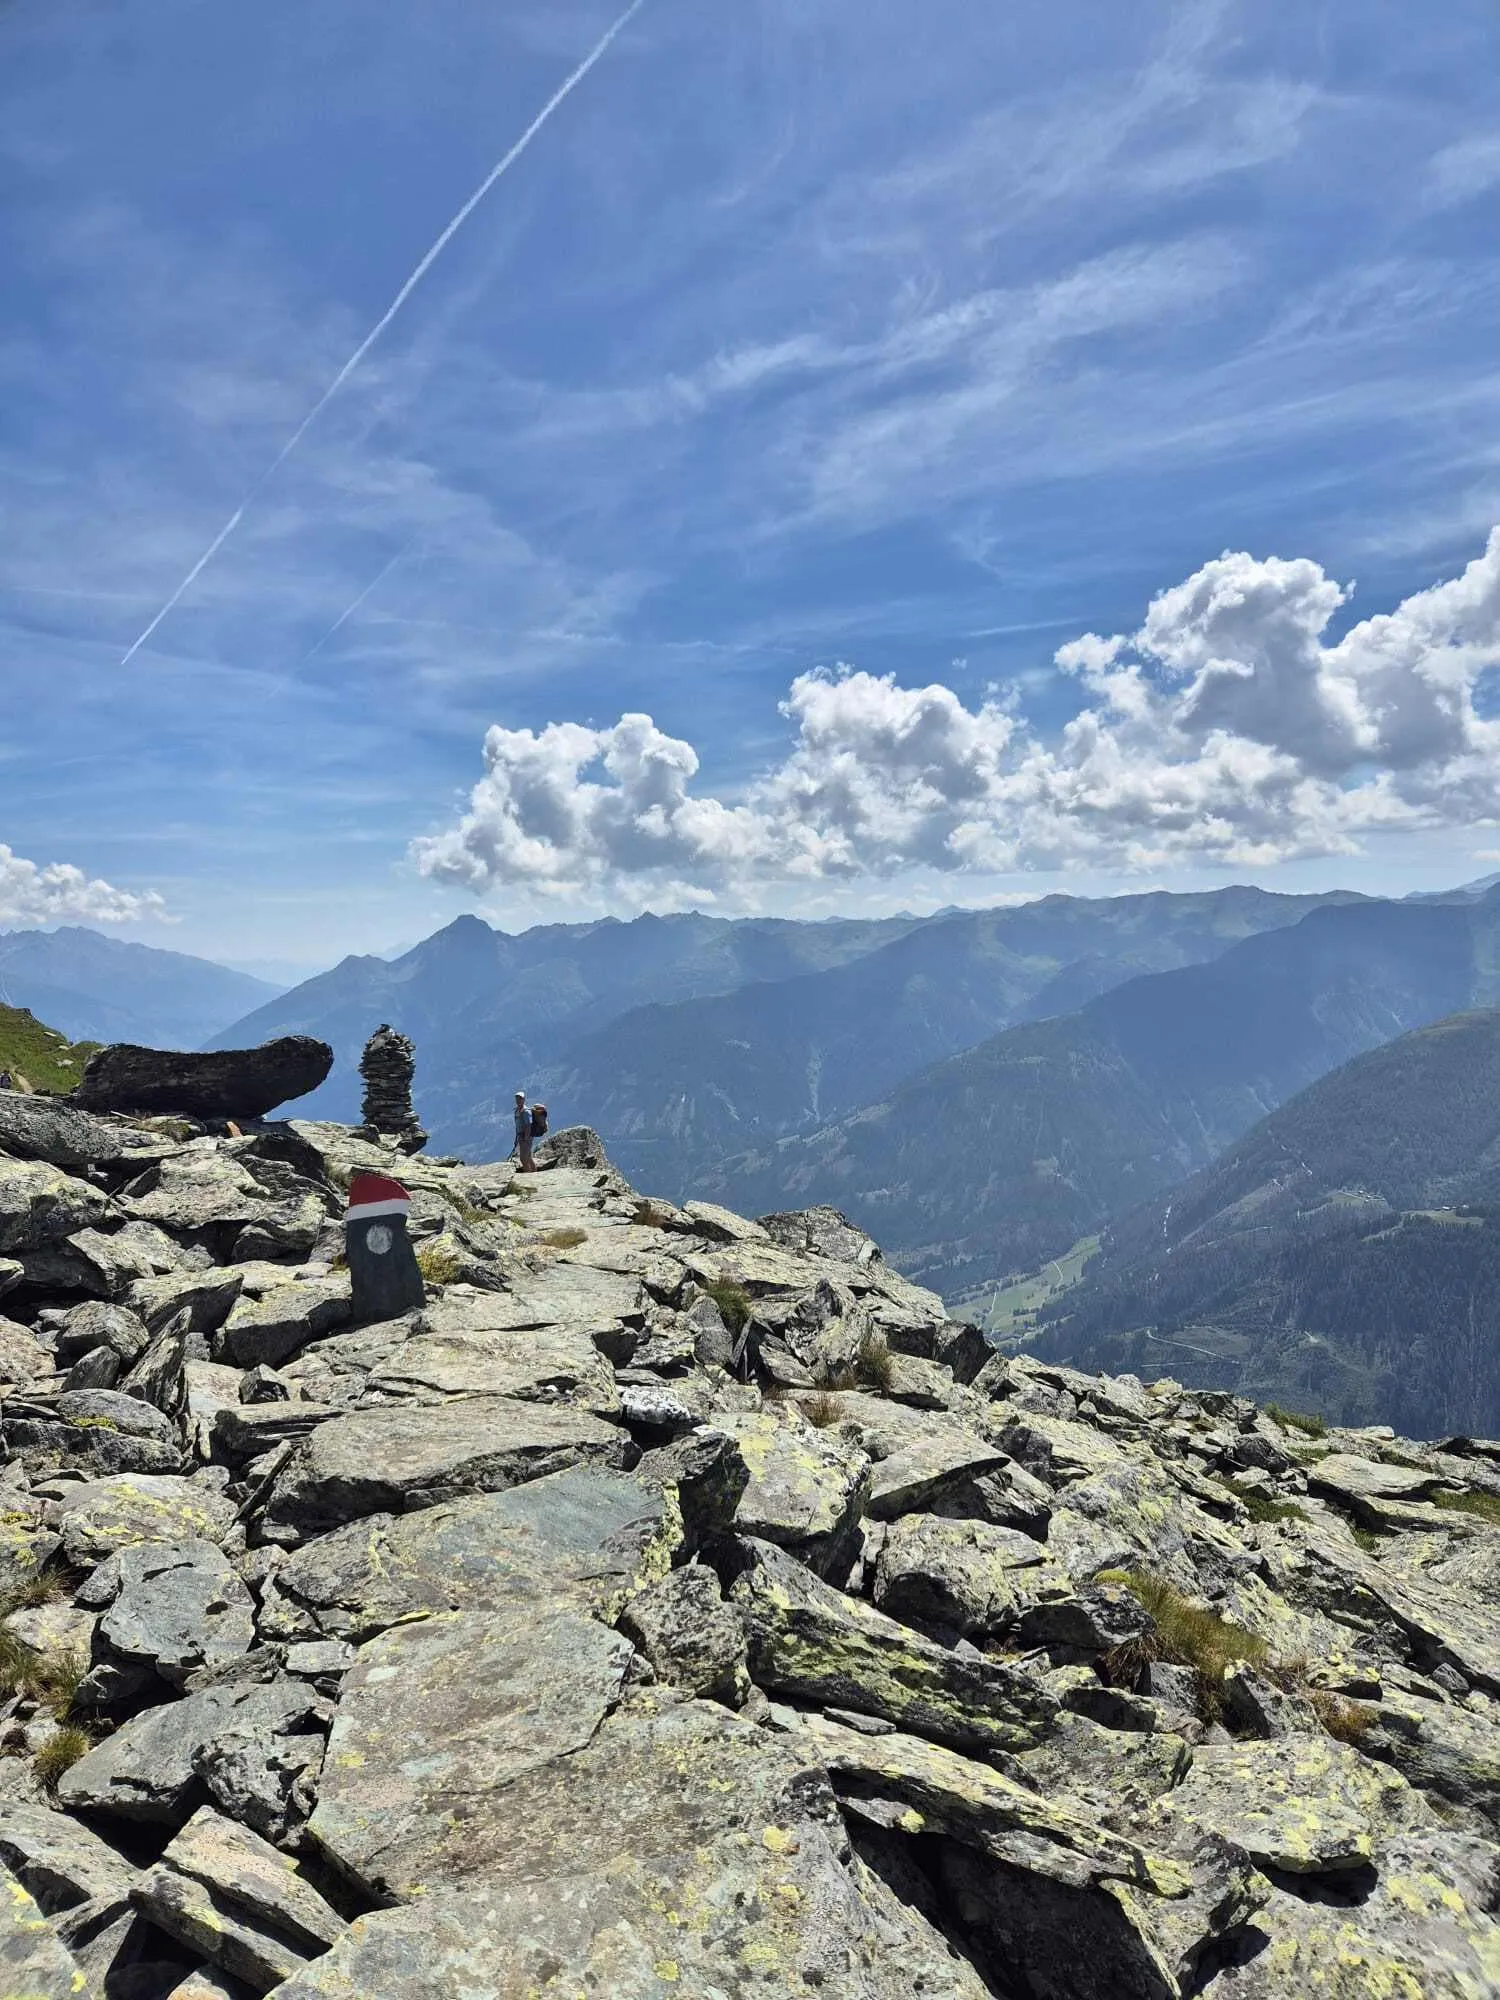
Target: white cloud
point(1225, 730)
point(1467, 168)
point(56, 892)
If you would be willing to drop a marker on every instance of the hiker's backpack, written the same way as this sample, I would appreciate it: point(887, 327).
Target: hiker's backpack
point(538, 1121)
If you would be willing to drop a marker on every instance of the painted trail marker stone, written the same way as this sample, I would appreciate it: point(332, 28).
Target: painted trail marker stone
point(382, 1263)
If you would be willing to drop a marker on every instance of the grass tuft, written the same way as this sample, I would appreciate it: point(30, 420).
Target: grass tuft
point(733, 1302)
point(60, 1753)
point(439, 1263)
point(1483, 1506)
point(873, 1365)
point(1183, 1634)
point(1306, 1421)
point(820, 1409)
point(565, 1239)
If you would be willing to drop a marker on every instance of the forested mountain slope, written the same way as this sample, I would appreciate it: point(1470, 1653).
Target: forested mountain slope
point(1344, 1256)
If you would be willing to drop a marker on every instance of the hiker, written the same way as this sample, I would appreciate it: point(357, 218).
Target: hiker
point(523, 1134)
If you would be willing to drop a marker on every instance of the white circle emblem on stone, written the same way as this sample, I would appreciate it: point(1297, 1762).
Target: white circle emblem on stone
point(379, 1240)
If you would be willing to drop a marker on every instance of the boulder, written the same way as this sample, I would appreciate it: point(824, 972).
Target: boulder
point(34, 1963)
point(221, 1083)
point(590, 1537)
point(277, 1322)
point(1304, 1805)
point(693, 1640)
point(47, 1128)
point(225, 1892)
point(58, 1860)
point(179, 1607)
point(957, 1574)
point(397, 1460)
point(806, 1490)
point(41, 1206)
point(104, 1515)
point(437, 1720)
point(22, 1356)
point(1420, 1930)
point(808, 1640)
point(681, 1852)
point(149, 1769)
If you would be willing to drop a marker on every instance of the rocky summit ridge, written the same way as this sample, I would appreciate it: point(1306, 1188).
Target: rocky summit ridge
point(681, 1607)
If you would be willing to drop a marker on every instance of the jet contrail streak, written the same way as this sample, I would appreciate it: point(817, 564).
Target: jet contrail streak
point(564, 90)
point(369, 591)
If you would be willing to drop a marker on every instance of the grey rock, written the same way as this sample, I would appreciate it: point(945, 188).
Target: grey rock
point(49, 1129)
point(23, 1358)
point(395, 1460)
point(229, 1895)
point(105, 1515)
point(806, 1489)
point(694, 1640)
point(437, 1721)
point(594, 1538)
point(273, 1325)
point(148, 1770)
point(957, 1574)
point(223, 1083)
point(180, 1607)
point(34, 1963)
point(59, 1861)
point(808, 1640)
point(41, 1206)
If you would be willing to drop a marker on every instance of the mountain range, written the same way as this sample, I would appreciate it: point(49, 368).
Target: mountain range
point(1001, 1157)
point(102, 989)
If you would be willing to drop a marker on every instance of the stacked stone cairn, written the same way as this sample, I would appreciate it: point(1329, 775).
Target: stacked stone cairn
point(388, 1065)
point(519, 1645)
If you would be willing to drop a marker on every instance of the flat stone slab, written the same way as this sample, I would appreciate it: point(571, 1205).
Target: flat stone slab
point(40, 1205)
point(225, 1892)
point(57, 1859)
point(1348, 1477)
point(34, 1963)
point(395, 1460)
point(278, 1323)
point(1307, 1805)
point(436, 1720)
point(545, 1364)
point(104, 1515)
point(592, 1538)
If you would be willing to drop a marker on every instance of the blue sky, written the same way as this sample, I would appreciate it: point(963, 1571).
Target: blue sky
point(922, 339)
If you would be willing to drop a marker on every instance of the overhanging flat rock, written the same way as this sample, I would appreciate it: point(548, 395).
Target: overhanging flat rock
point(219, 1083)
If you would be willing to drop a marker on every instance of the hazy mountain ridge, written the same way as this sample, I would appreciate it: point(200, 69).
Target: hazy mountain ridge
point(1003, 1156)
point(103, 989)
point(680, 1088)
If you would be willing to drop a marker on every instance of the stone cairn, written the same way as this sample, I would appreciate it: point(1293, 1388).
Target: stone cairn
point(387, 1066)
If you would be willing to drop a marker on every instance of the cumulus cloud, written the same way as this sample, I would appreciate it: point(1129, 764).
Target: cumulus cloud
point(1227, 729)
point(33, 893)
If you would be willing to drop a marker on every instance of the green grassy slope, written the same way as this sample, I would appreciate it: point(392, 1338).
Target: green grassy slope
point(48, 1061)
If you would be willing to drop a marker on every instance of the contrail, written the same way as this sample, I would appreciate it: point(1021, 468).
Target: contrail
point(369, 590)
point(502, 167)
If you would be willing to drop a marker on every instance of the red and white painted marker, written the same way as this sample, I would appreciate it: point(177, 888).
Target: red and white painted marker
point(372, 1195)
